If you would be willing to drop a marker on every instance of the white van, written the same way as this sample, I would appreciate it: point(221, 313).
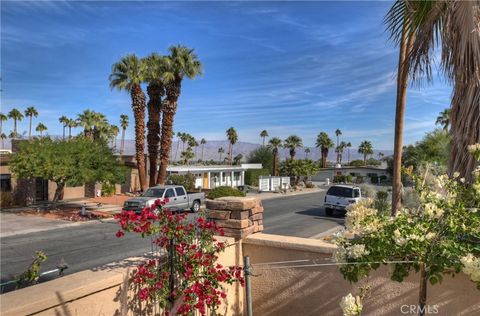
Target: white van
point(338, 197)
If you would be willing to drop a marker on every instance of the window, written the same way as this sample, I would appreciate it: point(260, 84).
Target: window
point(356, 193)
point(154, 193)
point(170, 193)
point(6, 182)
point(180, 191)
point(340, 191)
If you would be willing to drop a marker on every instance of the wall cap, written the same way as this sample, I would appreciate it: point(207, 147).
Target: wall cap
point(288, 242)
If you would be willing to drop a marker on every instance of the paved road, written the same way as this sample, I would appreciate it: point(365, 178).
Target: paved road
point(94, 244)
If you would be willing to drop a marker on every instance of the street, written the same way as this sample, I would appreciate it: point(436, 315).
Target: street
point(91, 245)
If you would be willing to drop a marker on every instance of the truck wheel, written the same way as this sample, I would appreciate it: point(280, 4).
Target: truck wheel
point(195, 206)
point(328, 211)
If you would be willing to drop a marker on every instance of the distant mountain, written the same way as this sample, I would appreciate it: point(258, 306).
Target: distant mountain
point(244, 148)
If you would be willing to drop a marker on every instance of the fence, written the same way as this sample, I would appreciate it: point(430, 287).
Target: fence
point(273, 184)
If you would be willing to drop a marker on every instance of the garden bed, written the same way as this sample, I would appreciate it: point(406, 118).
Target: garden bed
point(67, 214)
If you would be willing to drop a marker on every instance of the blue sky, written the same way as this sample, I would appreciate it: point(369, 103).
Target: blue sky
point(289, 68)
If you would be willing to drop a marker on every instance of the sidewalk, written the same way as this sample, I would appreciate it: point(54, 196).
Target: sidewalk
point(273, 195)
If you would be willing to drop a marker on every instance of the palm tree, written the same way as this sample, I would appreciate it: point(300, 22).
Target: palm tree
point(238, 159)
point(220, 151)
point(203, 142)
point(186, 155)
point(114, 130)
point(338, 132)
point(155, 90)
point(128, 74)
point(191, 143)
point(292, 142)
point(366, 149)
point(324, 143)
point(274, 144)
point(3, 118)
point(31, 112)
point(232, 137)
point(86, 120)
point(348, 146)
point(307, 151)
point(179, 138)
point(185, 137)
point(443, 119)
point(182, 62)
point(380, 155)
point(419, 27)
point(3, 137)
point(64, 121)
point(15, 115)
point(123, 125)
point(339, 150)
point(71, 124)
point(41, 128)
point(263, 135)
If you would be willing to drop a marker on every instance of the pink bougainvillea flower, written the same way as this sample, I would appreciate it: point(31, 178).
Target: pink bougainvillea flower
point(119, 234)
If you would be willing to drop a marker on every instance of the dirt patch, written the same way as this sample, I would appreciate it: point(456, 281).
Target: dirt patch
point(67, 214)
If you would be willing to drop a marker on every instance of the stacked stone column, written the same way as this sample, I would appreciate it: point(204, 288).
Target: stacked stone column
point(237, 216)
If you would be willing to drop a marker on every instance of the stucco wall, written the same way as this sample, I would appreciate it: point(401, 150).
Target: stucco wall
point(100, 291)
point(318, 290)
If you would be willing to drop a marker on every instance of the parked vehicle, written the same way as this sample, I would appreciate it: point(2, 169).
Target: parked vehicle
point(338, 197)
point(179, 199)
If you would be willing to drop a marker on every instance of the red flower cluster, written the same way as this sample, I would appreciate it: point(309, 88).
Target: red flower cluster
point(194, 251)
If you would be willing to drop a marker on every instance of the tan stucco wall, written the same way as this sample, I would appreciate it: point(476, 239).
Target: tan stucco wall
point(68, 192)
point(318, 290)
point(99, 291)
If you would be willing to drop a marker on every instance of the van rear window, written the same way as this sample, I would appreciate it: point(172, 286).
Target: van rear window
point(340, 191)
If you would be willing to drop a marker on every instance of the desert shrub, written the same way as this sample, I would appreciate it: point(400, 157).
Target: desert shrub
point(252, 175)
point(349, 178)
point(367, 191)
point(108, 189)
point(359, 179)
point(224, 191)
point(310, 185)
point(6, 199)
point(187, 180)
point(357, 163)
point(381, 202)
point(374, 179)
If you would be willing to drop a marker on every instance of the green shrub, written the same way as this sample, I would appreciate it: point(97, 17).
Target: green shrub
point(383, 178)
point(187, 180)
point(374, 179)
point(6, 199)
point(224, 191)
point(252, 175)
point(108, 189)
point(339, 179)
point(357, 163)
point(349, 178)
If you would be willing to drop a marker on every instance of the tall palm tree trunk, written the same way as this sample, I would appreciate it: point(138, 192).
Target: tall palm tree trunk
point(138, 106)
point(63, 137)
point(155, 93)
point(69, 132)
point(274, 164)
point(122, 143)
point(169, 109)
point(402, 81)
point(464, 129)
point(15, 127)
point(30, 128)
point(203, 148)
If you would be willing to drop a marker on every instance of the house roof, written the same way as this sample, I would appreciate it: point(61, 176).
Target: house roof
point(214, 168)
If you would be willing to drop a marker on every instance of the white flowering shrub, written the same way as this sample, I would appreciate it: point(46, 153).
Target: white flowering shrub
point(441, 235)
point(351, 305)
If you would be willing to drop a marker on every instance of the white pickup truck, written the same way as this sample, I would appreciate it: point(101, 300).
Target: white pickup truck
point(178, 199)
point(338, 197)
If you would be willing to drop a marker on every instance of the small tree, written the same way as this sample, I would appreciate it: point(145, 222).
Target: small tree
point(299, 168)
point(441, 236)
point(73, 162)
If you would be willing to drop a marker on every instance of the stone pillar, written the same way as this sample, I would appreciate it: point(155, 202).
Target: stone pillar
point(237, 216)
